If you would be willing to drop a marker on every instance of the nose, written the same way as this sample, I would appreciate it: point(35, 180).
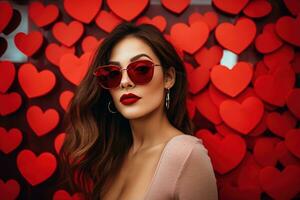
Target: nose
point(126, 82)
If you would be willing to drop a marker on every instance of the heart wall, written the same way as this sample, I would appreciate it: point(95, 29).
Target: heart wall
point(247, 113)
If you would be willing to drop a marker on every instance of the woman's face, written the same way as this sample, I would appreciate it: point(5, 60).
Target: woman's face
point(152, 93)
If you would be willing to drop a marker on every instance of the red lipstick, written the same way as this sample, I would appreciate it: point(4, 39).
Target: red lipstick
point(129, 98)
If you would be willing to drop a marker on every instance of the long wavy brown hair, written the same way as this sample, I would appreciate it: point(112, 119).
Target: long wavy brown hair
point(97, 141)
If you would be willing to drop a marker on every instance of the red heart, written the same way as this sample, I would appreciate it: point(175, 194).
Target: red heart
point(288, 29)
point(63, 195)
point(230, 6)
point(35, 83)
point(68, 34)
point(206, 107)
point(293, 6)
point(9, 190)
point(264, 149)
point(159, 21)
point(9, 103)
point(190, 38)
point(283, 55)
point(231, 191)
point(242, 117)
point(84, 11)
point(232, 81)
point(7, 75)
point(29, 44)
point(74, 68)
point(207, 58)
point(296, 63)
point(42, 122)
point(268, 41)
point(36, 169)
point(197, 79)
point(260, 69)
point(107, 21)
point(42, 15)
point(225, 152)
point(58, 142)
point(280, 124)
point(90, 43)
point(191, 108)
point(10, 140)
point(210, 18)
point(292, 141)
point(258, 8)
point(176, 6)
point(54, 52)
point(275, 88)
point(293, 102)
point(236, 37)
point(280, 185)
point(6, 14)
point(127, 9)
point(284, 156)
point(65, 98)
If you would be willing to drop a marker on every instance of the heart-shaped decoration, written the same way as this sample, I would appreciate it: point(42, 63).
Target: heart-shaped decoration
point(7, 75)
point(58, 142)
point(9, 190)
point(288, 29)
point(42, 122)
point(197, 79)
point(3, 46)
point(232, 81)
point(225, 152)
point(35, 83)
point(159, 21)
point(257, 8)
point(36, 169)
point(208, 58)
point(127, 9)
point(284, 156)
point(242, 117)
point(292, 141)
point(42, 15)
point(274, 182)
point(230, 6)
point(64, 99)
point(6, 14)
point(107, 21)
point(29, 44)
point(54, 52)
point(10, 140)
point(9, 103)
point(90, 43)
point(280, 124)
point(236, 37)
point(264, 149)
point(293, 6)
point(74, 68)
point(274, 88)
point(84, 11)
point(210, 18)
point(282, 56)
point(175, 6)
point(189, 38)
point(68, 34)
point(268, 41)
point(296, 63)
point(206, 107)
point(63, 195)
point(292, 102)
point(191, 108)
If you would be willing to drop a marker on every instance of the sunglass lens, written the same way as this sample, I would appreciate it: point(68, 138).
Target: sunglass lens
point(141, 72)
point(109, 77)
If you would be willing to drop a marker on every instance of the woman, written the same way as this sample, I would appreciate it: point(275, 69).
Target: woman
point(129, 135)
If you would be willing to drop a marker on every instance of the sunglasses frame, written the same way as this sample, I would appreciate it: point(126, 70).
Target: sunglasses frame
point(120, 70)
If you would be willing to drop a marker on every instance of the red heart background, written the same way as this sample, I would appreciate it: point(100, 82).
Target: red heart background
point(247, 113)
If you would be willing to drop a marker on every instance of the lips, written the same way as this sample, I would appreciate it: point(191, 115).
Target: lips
point(130, 98)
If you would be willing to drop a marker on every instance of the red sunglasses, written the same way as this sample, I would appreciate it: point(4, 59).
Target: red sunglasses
point(140, 72)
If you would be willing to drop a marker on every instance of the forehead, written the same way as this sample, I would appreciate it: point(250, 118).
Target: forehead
point(129, 47)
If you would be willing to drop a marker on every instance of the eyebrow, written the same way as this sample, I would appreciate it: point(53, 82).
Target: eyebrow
point(134, 58)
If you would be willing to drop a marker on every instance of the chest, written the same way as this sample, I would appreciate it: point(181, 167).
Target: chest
point(135, 177)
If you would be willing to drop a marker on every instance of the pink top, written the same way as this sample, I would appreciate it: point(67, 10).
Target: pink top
point(184, 172)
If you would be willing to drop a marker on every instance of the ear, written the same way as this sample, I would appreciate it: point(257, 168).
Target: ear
point(169, 78)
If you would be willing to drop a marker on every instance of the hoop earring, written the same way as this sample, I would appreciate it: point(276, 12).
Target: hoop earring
point(168, 99)
point(110, 110)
